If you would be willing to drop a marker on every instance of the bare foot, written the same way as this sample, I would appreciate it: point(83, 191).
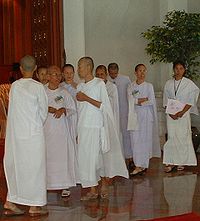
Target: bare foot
point(12, 210)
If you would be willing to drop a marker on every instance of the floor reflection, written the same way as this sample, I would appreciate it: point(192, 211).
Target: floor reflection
point(179, 191)
point(152, 195)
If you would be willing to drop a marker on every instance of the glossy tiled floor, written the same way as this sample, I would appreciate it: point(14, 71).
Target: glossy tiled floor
point(154, 194)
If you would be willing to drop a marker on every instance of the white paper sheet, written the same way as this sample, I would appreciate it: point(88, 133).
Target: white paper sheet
point(174, 106)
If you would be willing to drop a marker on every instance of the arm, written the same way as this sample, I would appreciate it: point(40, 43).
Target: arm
point(83, 97)
point(180, 113)
point(147, 101)
point(51, 110)
point(142, 100)
point(185, 109)
point(57, 112)
point(43, 104)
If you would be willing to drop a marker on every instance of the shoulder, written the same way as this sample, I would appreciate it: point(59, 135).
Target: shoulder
point(37, 85)
point(62, 84)
point(190, 83)
point(150, 85)
point(99, 81)
point(124, 77)
point(131, 84)
point(63, 90)
point(80, 86)
point(15, 83)
point(170, 81)
point(36, 82)
point(111, 86)
point(187, 80)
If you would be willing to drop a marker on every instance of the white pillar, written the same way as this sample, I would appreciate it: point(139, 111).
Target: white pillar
point(74, 31)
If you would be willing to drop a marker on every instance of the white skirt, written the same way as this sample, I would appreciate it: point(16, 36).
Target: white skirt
point(179, 150)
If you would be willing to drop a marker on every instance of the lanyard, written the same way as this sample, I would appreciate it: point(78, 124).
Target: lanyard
point(176, 88)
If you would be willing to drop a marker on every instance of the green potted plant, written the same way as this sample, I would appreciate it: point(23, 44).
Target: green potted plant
point(177, 39)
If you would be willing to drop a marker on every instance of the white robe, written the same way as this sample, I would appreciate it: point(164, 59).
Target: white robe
point(179, 150)
point(72, 119)
point(70, 89)
point(61, 153)
point(144, 137)
point(25, 153)
point(122, 82)
point(99, 150)
point(114, 101)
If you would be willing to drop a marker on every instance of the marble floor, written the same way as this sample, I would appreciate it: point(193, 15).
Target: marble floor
point(154, 194)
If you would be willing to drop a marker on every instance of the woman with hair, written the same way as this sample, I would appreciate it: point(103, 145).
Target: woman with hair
point(179, 99)
point(142, 121)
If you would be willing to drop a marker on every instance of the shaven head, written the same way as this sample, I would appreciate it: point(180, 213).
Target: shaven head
point(113, 70)
point(28, 63)
point(53, 70)
point(88, 61)
point(85, 67)
point(54, 75)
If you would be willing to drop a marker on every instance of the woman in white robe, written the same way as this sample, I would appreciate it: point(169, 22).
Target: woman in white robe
point(71, 86)
point(99, 150)
point(25, 153)
point(122, 82)
point(142, 121)
point(101, 72)
point(69, 83)
point(61, 158)
point(179, 150)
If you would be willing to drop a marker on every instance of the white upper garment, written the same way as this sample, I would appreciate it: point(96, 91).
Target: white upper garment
point(187, 93)
point(61, 147)
point(114, 101)
point(25, 153)
point(122, 82)
point(146, 112)
point(101, 119)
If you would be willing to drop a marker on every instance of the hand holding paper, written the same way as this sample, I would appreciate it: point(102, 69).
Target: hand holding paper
point(174, 106)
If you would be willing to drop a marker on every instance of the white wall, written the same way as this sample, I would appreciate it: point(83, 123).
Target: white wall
point(113, 32)
point(110, 31)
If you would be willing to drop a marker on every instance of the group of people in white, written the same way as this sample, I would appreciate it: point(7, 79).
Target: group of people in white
point(60, 134)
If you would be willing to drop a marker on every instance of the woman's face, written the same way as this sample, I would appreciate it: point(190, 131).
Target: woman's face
point(141, 73)
point(55, 76)
point(100, 73)
point(179, 71)
point(68, 74)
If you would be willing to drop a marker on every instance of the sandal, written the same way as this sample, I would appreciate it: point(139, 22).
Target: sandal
point(13, 211)
point(180, 168)
point(65, 193)
point(169, 169)
point(39, 212)
point(138, 171)
point(89, 196)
